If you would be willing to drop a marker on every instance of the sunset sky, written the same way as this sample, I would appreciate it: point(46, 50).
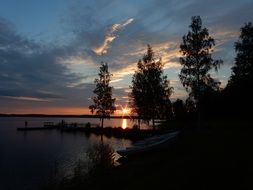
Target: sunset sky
point(50, 50)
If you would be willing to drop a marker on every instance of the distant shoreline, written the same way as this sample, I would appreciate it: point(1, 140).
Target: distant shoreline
point(66, 116)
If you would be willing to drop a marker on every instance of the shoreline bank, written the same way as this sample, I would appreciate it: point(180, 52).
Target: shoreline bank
point(202, 159)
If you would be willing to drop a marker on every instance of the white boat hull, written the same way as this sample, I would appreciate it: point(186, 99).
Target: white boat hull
point(148, 145)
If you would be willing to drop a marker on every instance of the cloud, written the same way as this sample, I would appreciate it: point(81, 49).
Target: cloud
point(25, 98)
point(168, 51)
point(110, 37)
point(30, 74)
point(116, 80)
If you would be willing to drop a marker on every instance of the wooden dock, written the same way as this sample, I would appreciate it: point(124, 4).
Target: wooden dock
point(34, 128)
point(46, 126)
point(61, 125)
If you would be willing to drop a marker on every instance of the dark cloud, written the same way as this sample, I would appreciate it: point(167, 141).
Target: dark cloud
point(30, 70)
point(28, 93)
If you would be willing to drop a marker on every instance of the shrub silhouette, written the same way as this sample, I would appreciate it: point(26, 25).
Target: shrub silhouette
point(101, 157)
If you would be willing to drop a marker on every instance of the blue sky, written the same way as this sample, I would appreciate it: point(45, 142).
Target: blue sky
point(50, 51)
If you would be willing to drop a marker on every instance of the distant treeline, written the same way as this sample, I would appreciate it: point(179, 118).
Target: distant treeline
point(67, 116)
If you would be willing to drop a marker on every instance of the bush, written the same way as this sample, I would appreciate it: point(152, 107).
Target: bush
point(101, 157)
point(87, 125)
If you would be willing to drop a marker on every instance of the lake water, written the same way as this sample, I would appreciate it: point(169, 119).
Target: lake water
point(28, 158)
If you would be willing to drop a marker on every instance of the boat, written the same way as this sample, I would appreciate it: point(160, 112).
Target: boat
point(149, 144)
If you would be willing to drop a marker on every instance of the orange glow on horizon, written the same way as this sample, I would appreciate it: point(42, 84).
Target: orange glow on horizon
point(57, 110)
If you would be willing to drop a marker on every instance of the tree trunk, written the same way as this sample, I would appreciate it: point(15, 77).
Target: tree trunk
point(153, 123)
point(102, 123)
point(198, 94)
point(102, 126)
point(139, 123)
point(199, 115)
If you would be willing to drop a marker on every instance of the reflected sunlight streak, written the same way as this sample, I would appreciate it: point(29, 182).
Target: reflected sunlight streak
point(125, 111)
point(124, 123)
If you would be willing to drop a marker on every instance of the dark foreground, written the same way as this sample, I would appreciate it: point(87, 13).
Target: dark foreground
point(208, 158)
point(199, 159)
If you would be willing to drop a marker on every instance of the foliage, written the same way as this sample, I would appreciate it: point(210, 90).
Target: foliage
point(87, 125)
point(197, 61)
point(242, 72)
point(80, 170)
point(179, 110)
point(150, 88)
point(238, 93)
point(103, 101)
point(166, 110)
point(190, 106)
point(101, 157)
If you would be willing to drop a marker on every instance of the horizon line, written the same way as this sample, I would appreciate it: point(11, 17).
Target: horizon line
point(67, 115)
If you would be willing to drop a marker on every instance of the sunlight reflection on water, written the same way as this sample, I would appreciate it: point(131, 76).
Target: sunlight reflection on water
point(32, 155)
point(124, 123)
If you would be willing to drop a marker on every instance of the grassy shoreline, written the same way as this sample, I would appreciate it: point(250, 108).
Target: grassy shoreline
point(206, 158)
point(199, 159)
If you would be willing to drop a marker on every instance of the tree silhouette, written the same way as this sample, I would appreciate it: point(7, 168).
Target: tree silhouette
point(197, 61)
point(238, 93)
point(103, 101)
point(242, 72)
point(150, 88)
point(166, 110)
point(179, 110)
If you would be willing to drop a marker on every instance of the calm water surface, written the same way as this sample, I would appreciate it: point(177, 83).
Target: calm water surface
point(28, 158)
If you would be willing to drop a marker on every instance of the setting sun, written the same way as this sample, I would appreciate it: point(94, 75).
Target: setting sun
point(125, 111)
